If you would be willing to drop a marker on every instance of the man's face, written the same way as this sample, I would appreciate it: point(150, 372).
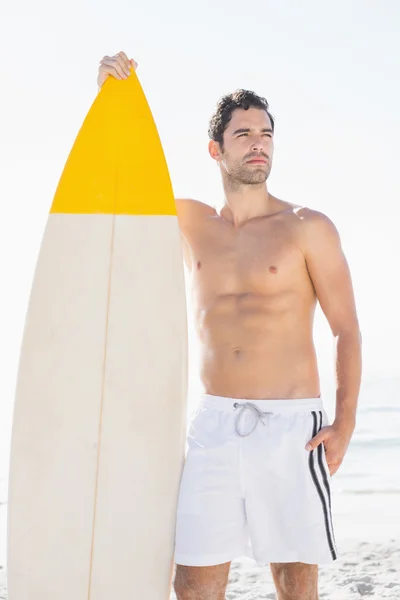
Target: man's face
point(246, 155)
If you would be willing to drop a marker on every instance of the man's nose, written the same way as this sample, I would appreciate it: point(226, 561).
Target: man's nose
point(257, 144)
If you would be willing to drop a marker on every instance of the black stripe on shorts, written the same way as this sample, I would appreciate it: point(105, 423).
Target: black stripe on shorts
point(325, 507)
point(325, 479)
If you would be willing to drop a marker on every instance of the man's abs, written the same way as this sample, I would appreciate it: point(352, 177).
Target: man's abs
point(250, 351)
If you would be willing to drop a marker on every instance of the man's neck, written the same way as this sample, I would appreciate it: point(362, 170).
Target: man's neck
point(246, 203)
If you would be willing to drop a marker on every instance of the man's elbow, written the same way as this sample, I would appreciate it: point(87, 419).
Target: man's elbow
point(348, 332)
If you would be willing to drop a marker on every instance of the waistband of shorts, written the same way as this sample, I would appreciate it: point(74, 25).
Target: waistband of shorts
point(294, 405)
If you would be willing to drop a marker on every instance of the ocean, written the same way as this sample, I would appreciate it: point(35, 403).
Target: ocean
point(366, 489)
point(372, 464)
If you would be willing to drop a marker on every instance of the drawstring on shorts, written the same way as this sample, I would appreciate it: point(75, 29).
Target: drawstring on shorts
point(256, 412)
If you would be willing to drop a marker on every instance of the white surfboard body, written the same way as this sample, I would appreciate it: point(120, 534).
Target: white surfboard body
point(100, 411)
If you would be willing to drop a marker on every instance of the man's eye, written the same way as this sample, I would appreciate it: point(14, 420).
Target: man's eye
point(242, 134)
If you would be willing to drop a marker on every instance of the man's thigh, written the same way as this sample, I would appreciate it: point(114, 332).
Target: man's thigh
point(201, 583)
point(295, 581)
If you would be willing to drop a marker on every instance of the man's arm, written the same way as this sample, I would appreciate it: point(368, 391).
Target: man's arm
point(190, 213)
point(331, 278)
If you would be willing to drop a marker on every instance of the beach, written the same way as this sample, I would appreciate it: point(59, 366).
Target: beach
point(365, 506)
point(364, 569)
point(369, 570)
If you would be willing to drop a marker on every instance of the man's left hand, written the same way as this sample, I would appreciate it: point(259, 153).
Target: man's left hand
point(336, 439)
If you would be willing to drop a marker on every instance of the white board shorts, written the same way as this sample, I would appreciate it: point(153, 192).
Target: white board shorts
point(250, 488)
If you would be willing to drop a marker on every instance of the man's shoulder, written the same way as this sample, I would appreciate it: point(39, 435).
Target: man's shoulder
point(190, 212)
point(305, 214)
point(190, 205)
point(312, 220)
point(302, 214)
point(315, 229)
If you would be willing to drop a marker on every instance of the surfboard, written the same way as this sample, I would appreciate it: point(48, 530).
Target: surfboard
point(100, 411)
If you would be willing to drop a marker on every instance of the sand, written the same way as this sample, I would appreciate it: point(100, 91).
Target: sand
point(370, 570)
point(363, 570)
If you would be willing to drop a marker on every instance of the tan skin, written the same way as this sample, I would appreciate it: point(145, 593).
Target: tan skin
point(258, 267)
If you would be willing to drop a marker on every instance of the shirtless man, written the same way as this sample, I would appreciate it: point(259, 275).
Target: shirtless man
point(261, 451)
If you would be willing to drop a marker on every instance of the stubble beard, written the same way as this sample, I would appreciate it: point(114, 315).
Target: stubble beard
point(251, 176)
point(242, 174)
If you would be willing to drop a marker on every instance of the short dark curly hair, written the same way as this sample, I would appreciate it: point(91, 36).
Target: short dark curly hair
point(225, 107)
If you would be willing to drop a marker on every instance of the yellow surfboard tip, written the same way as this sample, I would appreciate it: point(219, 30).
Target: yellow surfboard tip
point(117, 164)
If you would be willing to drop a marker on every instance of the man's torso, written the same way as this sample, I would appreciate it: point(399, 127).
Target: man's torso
point(253, 302)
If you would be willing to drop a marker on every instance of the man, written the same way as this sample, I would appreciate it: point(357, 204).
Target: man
point(261, 450)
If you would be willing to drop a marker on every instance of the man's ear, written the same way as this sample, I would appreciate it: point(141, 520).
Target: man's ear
point(215, 150)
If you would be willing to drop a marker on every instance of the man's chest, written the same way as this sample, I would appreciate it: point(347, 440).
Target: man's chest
point(259, 260)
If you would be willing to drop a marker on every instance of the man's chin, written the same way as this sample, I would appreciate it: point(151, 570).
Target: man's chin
point(253, 177)
point(257, 174)
point(257, 180)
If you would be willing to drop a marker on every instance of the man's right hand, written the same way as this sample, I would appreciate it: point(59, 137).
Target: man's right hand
point(117, 66)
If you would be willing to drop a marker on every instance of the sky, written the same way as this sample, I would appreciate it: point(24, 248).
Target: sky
point(329, 71)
